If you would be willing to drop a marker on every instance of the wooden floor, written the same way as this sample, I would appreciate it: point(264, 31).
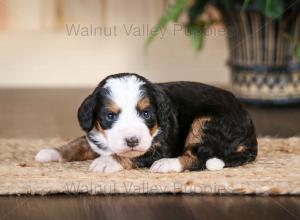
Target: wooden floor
point(52, 113)
point(149, 207)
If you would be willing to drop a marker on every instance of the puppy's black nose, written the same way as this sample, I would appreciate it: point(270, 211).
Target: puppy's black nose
point(132, 141)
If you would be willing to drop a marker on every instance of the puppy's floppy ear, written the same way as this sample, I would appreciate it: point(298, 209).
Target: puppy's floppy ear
point(86, 113)
point(164, 110)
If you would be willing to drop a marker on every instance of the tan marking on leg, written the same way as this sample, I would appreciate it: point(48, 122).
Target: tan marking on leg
point(143, 104)
point(77, 150)
point(240, 149)
point(125, 162)
point(195, 135)
point(187, 159)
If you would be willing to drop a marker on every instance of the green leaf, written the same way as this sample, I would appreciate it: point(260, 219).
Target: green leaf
point(270, 8)
point(196, 34)
point(195, 10)
point(172, 14)
point(297, 51)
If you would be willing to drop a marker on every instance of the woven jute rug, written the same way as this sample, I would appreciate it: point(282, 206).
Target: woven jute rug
point(276, 171)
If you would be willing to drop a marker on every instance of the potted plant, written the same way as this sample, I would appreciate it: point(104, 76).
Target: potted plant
point(263, 39)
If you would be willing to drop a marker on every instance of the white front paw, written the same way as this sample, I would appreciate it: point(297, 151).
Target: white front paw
point(166, 165)
point(105, 164)
point(214, 164)
point(47, 155)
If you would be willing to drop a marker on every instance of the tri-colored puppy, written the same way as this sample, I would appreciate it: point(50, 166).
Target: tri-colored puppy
point(170, 127)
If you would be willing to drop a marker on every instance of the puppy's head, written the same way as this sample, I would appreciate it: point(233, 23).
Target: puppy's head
point(121, 116)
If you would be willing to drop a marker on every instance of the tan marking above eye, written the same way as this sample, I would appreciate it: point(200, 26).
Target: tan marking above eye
point(195, 135)
point(113, 107)
point(143, 104)
point(187, 159)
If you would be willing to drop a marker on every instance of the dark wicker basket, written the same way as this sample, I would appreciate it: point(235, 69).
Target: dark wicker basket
point(262, 59)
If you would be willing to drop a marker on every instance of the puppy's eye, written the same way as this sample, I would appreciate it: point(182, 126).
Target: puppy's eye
point(146, 114)
point(111, 116)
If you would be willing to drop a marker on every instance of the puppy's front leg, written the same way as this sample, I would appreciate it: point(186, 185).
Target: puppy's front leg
point(77, 150)
point(110, 164)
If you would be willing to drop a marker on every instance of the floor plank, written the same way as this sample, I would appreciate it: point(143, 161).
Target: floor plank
point(150, 207)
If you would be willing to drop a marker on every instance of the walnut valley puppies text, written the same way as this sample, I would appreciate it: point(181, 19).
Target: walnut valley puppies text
point(132, 30)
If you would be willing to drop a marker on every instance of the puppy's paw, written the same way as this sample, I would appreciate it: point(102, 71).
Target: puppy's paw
point(166, 165)
point(47, 155)
point(105, 164)
point(214, 164)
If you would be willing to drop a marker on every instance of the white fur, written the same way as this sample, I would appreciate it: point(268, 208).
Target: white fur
point(47, 155)
point(214, 164)
point(99, 138)
point(105, 164)
point(166, 165)
point(125, 92)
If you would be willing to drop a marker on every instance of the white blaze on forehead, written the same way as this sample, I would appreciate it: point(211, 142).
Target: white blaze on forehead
point(125, 91)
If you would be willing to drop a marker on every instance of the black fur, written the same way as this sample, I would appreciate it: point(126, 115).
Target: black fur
point(230, 126)
point(85, 114)
point(176, 105)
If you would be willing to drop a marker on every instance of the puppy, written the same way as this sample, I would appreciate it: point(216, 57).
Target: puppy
point(170, 127)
